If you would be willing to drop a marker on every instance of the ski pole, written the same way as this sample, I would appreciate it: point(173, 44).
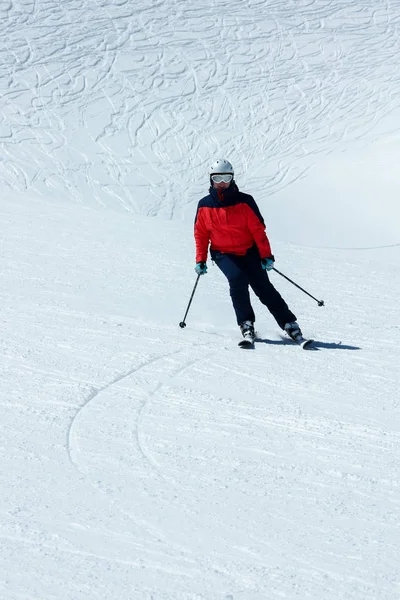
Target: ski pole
point(182, 324)
point(320, 302)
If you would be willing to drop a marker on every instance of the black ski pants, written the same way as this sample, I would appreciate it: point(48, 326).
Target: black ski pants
point(245, 271)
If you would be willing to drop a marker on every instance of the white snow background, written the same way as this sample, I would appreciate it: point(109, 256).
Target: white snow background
point(140, 461)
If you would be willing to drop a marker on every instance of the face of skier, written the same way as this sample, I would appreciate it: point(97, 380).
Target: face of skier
point(222, 181)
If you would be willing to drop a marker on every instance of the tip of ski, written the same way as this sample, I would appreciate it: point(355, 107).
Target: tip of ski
point(306, 343)
point(303, 342)
point(247, 343)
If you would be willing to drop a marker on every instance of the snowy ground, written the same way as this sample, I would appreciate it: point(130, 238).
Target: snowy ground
point(139, 461)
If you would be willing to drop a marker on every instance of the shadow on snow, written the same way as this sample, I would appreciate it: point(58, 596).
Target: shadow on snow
point(315, 346)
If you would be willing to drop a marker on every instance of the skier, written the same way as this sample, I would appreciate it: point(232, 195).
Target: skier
point(231, 222)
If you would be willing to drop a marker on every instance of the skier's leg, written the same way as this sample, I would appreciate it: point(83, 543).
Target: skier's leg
point(232, 268)
point(268, 295)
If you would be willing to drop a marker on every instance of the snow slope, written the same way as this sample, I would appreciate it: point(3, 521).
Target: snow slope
point(139, 461)
point(109, 104)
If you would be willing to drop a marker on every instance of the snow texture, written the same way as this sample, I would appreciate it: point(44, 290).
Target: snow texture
point(142, 461)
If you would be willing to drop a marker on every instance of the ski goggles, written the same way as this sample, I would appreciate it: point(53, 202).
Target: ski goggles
point(225, 178)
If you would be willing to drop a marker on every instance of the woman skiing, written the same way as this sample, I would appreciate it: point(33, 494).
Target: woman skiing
point(231, 223)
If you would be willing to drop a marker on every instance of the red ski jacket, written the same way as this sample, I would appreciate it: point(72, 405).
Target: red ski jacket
point(231, 222)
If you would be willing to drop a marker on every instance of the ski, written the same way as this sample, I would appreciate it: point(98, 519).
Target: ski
point(247, 342)
point(301, 341)
point(305, 343)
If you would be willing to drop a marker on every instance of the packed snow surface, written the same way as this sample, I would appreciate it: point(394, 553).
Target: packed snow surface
point(142, 461)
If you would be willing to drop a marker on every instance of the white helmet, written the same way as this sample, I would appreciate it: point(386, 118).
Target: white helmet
point(221, 166)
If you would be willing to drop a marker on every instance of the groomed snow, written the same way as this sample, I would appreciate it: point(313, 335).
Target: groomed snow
point(141, 461)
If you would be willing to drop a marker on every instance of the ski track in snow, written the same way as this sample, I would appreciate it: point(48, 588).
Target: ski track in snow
point(178, 396)
point(123, 96)
point(180, 466)
point(201, 472)
point(71, 434)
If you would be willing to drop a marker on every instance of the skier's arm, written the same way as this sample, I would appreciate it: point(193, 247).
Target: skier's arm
point(256, 226)
point(201, 236)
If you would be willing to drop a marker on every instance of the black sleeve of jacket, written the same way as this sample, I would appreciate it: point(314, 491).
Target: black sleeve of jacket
point(253, 205)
